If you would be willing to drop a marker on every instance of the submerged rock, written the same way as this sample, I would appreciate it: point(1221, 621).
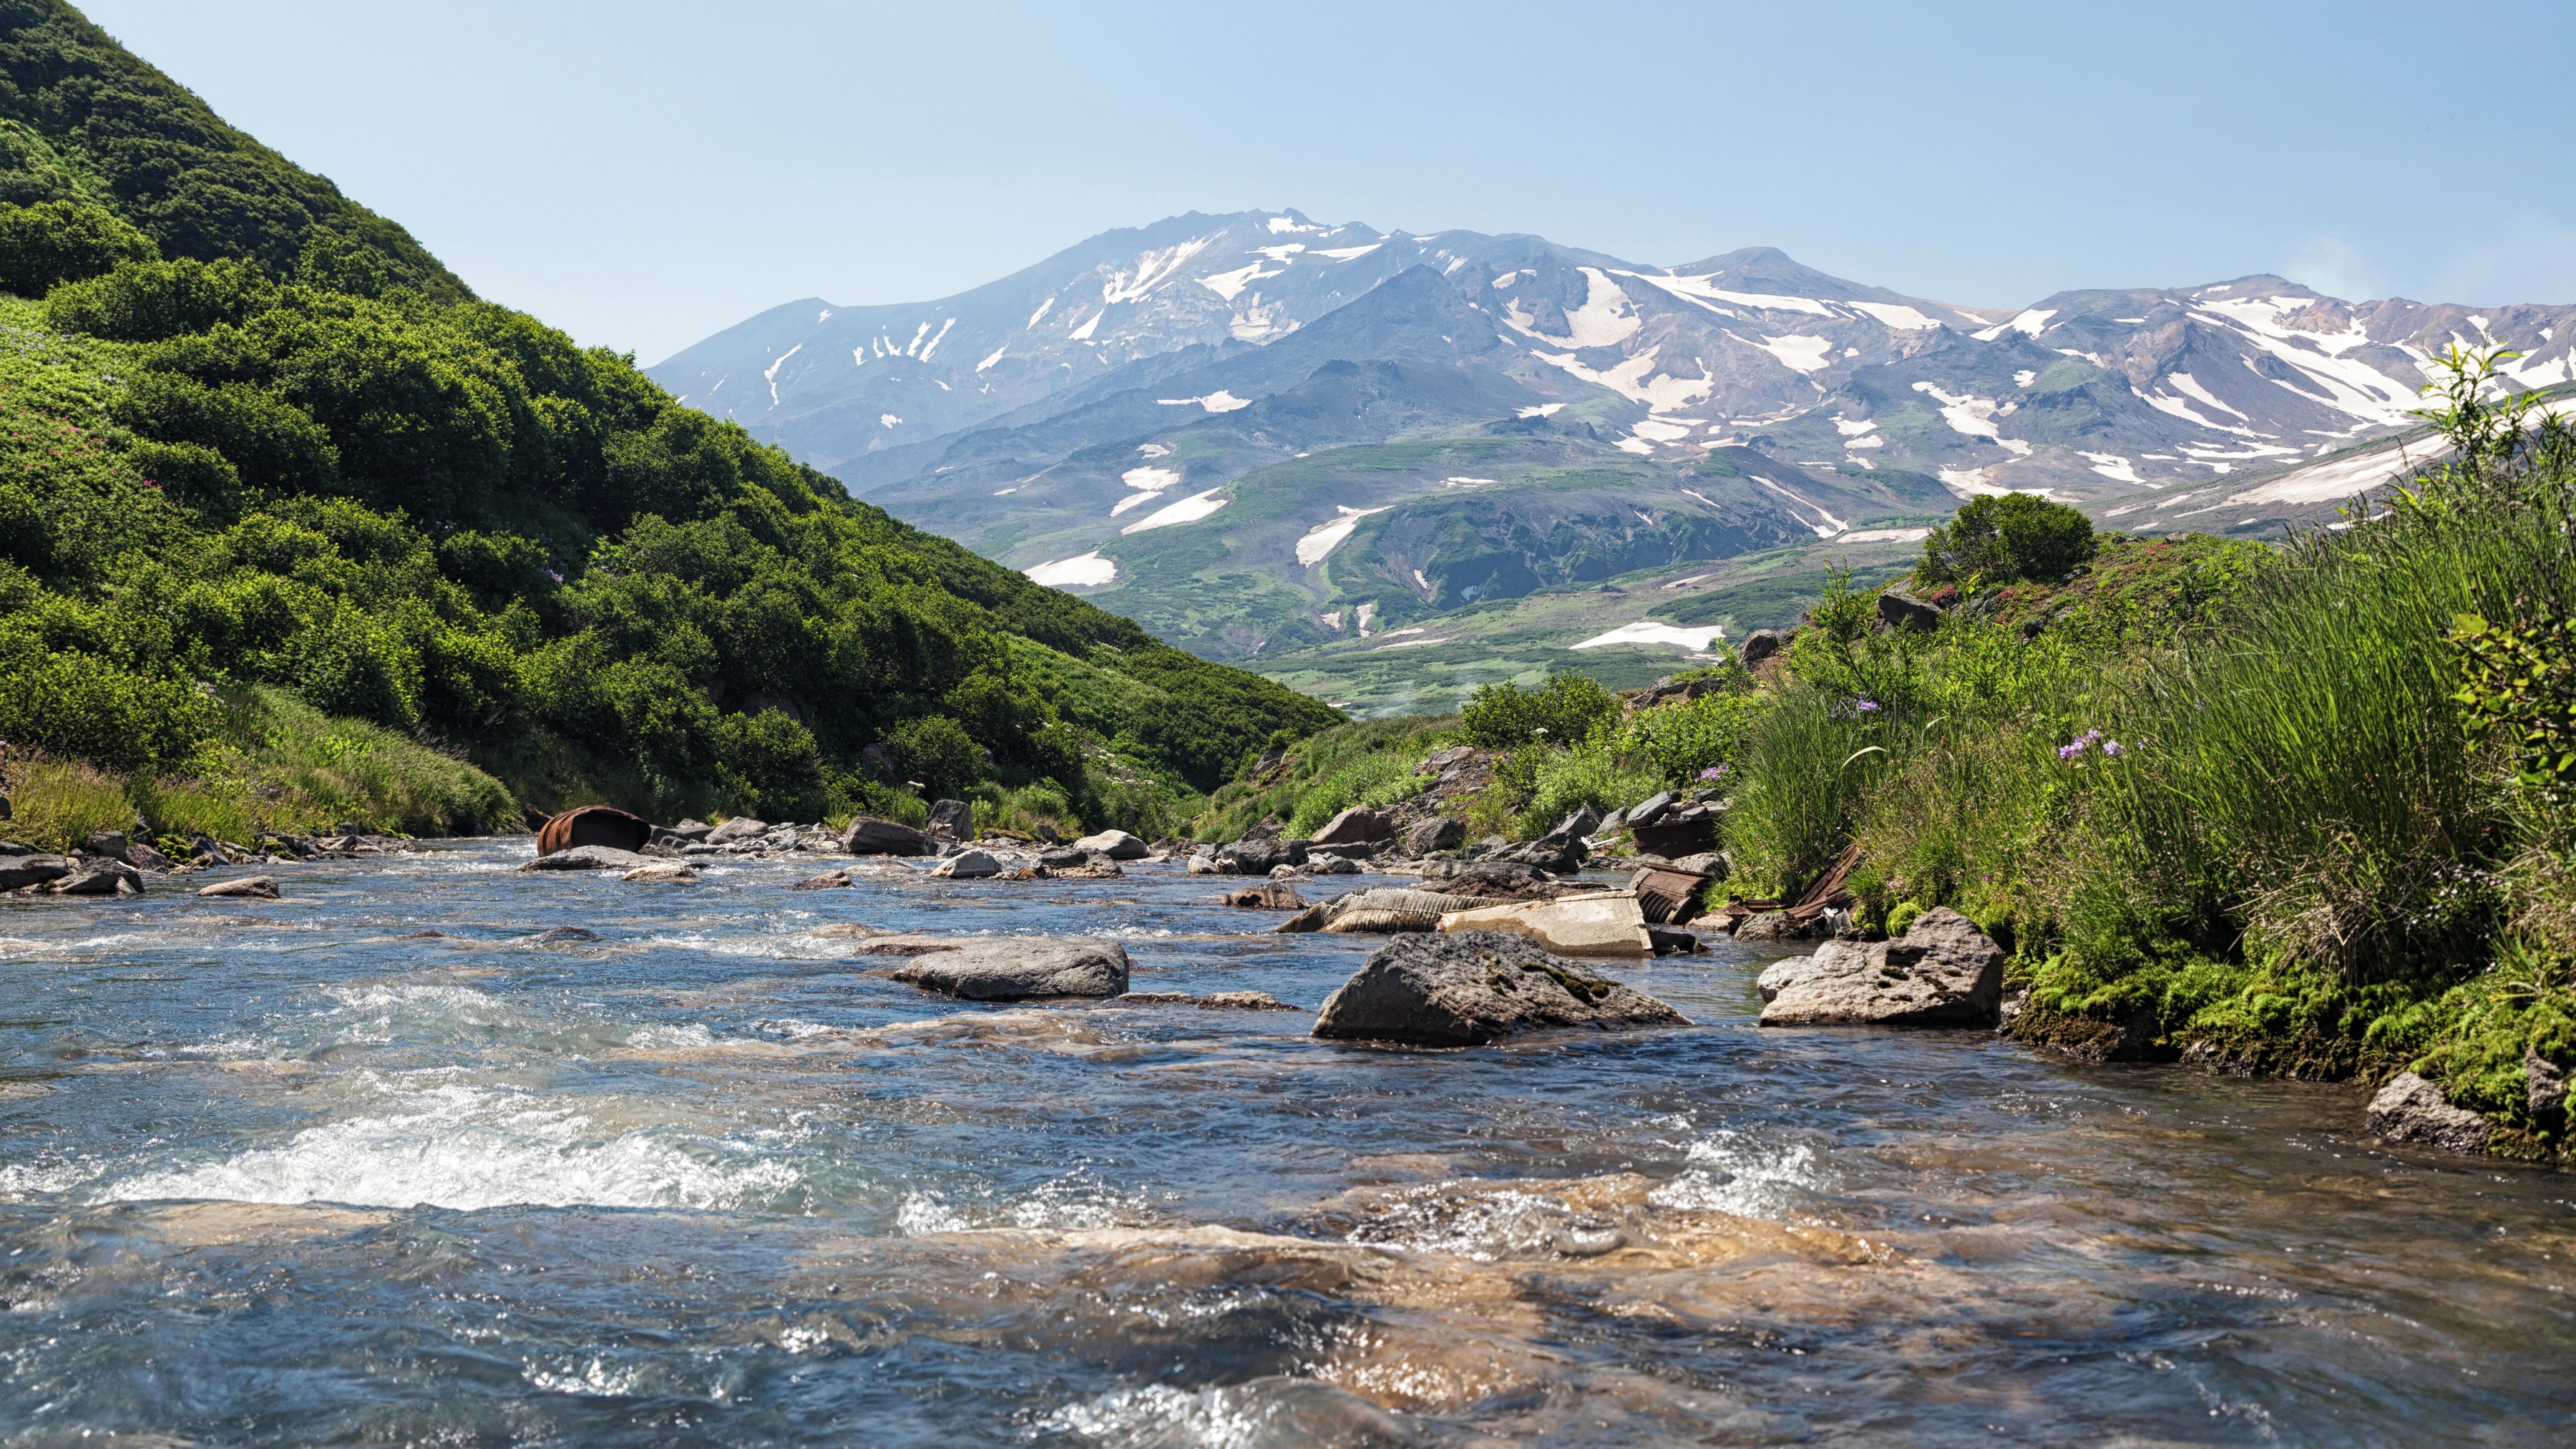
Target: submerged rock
point(1019, 968)
point(1942, 972)
point(1609, 924)
point(663, 871)
point(255, 887)
point(590, 857)
point(1474, 987)
point(1213, 1001)
point(2411, 1109)
point(1277, 895)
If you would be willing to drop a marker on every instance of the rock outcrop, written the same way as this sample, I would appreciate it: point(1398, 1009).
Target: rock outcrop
point(2411, 1109)
point(1020, 968)
point(1475, 987)
point(1942, 972)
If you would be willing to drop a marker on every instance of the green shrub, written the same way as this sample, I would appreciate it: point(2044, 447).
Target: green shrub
point(1902, 916)
point(1376, 780)
point(1693, 742)
point(2001, 538)
point(149, 301)
point(1565, 709)
point(934, 755)
point(771, 766)
point(55, 804)
point(59, 241)
point(80, 706)
point(1588, 774)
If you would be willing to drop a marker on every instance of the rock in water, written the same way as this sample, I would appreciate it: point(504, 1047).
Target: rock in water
point(953, 820)
point(968, 865)
point(590, 857)
point(663, 870)
point(1276, 895)
point(100, 878)
point(1774, 926)
point(30, 870)
point(2411, 1109)
point(741, 827)
point(256, 887)
point(1020, 968)
point(1472, 987)
point(868, 836)
point(1609, 924)
point(1440, 832)
point(1356, 826)
point(1115, 844)
point(1942, 972)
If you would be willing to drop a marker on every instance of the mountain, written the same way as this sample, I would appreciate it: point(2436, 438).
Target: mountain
point(255, 442)
point(1265, 437)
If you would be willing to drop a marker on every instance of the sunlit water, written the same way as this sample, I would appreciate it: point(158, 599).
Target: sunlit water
point(283, 1171)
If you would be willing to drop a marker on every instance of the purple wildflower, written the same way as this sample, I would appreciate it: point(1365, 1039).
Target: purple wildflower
point(1866, 706)
point(2111, 747)
point(1714, 772)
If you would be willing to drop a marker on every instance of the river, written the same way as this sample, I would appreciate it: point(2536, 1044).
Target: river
point(289, 1171)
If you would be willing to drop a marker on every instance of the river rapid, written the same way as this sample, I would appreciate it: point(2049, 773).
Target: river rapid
point(286, 1171)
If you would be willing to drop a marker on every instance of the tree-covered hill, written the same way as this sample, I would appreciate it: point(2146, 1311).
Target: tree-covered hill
point(254, 438)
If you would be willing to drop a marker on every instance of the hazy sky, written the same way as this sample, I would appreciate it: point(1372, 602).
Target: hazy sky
point(643, 173)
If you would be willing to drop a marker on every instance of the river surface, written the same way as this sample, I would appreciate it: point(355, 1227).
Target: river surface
point(287, 1172)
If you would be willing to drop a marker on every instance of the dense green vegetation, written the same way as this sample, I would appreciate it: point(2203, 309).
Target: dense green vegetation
point(253, 437)
point(2307, 809)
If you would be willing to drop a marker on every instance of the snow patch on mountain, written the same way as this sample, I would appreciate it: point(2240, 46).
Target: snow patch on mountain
point(1188, 510)
point(1087, 571)
point(1319, 542)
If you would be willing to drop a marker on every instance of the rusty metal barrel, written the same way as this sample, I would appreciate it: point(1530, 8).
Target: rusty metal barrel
point(594, 825)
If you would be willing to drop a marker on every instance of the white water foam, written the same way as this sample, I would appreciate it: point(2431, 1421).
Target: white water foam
point(1732, 1173)
point(469, 1148)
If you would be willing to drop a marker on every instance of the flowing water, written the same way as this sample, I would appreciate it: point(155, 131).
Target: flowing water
point(292, 1171)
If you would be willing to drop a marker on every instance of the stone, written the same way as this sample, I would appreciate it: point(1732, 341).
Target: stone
point(1472, 987)
point(1440, 832)
point(952, 820)
point(145, 857)
point(1573, 829)
point(2411, 1109)
point(1710, 863)
point(1902, 610)
point(905, 943)
point(590, 857)
point(1275, 895)
point(870, 836)
point(1379, 911)
point(11, 847)
point(1206, 863)
point(1332, 865)
point(2544, 1087)
point(1358, 825)
point(256, 887)
point(1774, 926)
point(691, 829)
point(1115, 844)
point(1251, 856)
point(1759, 645)
point(1242, 1001)
point(663, 872)
point(1607, 924)
point(741, 827)
point(1020, 968)
point(1063, 857)
point(19, 871)
point(968, 865)
point(1648, 810)
point(100, 877)
point(110, 843)
point(1942, 972)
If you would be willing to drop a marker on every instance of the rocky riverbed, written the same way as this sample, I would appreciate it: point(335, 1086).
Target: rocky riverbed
point(435, 1147)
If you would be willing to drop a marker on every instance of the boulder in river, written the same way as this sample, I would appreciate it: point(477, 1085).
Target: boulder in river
point(1358, 825)
point(870, 836)
point(1440, 832)
point(1774, 926)
point(741, 827)
point(968, 865)
point(18, 871)
point(1942, 972)
point(1213, 1001)
point(1277, 895)
point(1472, 987)
point(594, 825)
point(590, 857)
point(1606, 924)
point(1379, 911)
point(100, 877)
point(1115, 844)
point(1253, 855)
point(1018, 968)
point(663, 872)
point(952, 820)
point(2411, 1109)
point(255, 887)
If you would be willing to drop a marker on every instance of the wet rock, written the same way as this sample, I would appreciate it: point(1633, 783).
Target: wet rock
point(1020, 968)
point(870, 836)
point(1775, 926)
point(1115, 844)
point(968, 865)
point(2544, 1087)
point(590, 857)
point(662, 872)
point(2411, 1109)
point(1440, 832)
point(1759, 645)
point(1608, 924)
point(741, 827)
point(1942, 972)
point(110, 843)
point(1375, 912)
point(564, 936)
point(1062, 857)
point(899, 943)
point(100, 877)
point(1206, 863)
point(1332, 865)
point(1358, 825)
point(1277, 895)
point(1250, 856)
point(830, 880)
point(1474, 987)
point(1213, 1001)
point(952, 820)
point(255, 887)
point(20, 871)
point(145, 857)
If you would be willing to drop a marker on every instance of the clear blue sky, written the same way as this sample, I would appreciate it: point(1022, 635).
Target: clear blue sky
point(642, 173)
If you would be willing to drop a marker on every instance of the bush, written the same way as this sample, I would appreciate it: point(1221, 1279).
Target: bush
point(935, 755)
point(150, 301)
point(1588, 774)
point(59, 241)
point(771, 766)
point(1684, 742)
point(2005, 538)
point(1375, 780)
point(55, 804)
point(1566, 709)
point(83, 707)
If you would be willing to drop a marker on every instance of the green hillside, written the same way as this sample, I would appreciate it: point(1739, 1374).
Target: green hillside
point(254, 437)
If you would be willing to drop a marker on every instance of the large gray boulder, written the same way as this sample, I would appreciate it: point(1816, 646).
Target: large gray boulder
point(252, 887)
point(1440, 832)
point(1473, 987)
point(100, 877)
point(1018, 968)
point(1115, 844)
point(2411, 1109)
point(741, 827)
point(1377, 912)
point(1359, 825)
point(2544, 1087)
point(968, 865)
point(870, 836)
point(17, 871)
point(1942, 972)
point(952, 820)
point(1901, 610)
point(1254, 856)
point(590, 857)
